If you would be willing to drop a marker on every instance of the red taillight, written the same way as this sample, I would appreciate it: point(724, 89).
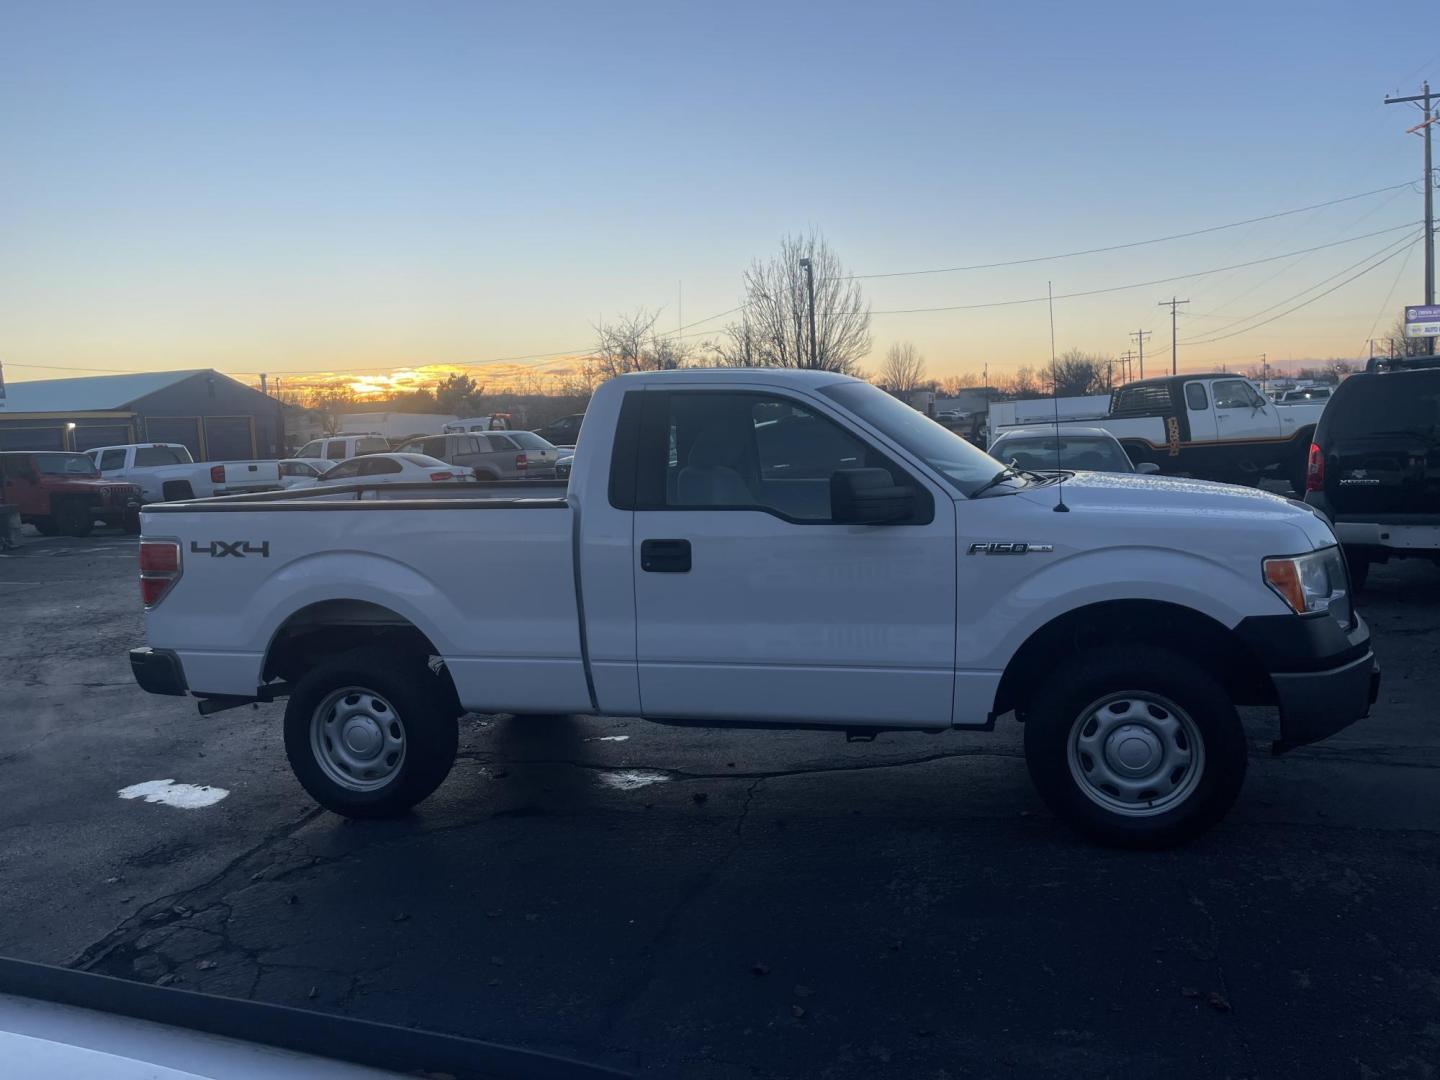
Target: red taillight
point(1315, 470)
point(521, 461)
point(217, 474)
point(159, 569)
point(438, 476)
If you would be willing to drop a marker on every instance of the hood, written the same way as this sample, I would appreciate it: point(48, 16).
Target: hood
point(1160, 501)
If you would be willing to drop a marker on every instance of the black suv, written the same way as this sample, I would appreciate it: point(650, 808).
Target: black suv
point(1374, 468)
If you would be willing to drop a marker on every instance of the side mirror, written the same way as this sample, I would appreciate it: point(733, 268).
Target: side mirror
point(1147, 468)
point(868, 497)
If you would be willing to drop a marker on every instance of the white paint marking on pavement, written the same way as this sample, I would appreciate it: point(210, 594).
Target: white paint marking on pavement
point(185, 796)
point(608, 738)
point(630, 779)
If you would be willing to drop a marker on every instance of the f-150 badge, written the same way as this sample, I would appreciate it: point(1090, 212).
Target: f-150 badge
point(1018, 547)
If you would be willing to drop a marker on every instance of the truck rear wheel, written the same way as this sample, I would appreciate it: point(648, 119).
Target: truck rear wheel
point(72, 517)
point(370, 738)
point(1135, 746)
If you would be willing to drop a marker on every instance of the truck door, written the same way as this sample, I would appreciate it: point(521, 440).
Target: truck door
point(1199, 412)
point(1241, 412)
point(751, 602)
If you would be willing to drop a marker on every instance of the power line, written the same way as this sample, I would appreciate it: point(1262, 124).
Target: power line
point(1400, 245)
point(1307, 303)
point(1131, 244)
point(1137, 284)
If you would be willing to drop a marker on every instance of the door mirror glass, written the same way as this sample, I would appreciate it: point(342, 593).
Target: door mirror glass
point(1147, 468)
point(868, 497)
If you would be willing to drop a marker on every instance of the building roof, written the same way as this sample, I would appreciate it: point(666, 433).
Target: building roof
point(91, 393)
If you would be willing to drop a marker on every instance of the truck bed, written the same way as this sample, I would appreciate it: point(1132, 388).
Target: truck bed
point(485, 571)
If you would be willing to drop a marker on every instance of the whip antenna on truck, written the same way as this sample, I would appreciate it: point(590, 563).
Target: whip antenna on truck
point(1060, 507)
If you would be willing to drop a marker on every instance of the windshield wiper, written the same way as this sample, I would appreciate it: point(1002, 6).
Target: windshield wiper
point(1007, 473)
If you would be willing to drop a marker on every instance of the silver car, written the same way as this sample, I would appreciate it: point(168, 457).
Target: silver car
point(1048, 448)
point(493, 455)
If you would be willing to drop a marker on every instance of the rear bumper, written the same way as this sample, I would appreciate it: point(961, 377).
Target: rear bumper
point(1325, 678)
point(158, 671)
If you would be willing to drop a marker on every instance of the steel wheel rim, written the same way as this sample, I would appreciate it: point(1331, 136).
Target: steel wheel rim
point(358, 739)
point(1135, 753)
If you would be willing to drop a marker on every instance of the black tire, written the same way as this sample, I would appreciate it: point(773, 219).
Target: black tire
point(73, 518)
point(416, 697)
point(131, 523)
point(1071, 693)
point(1358, 563)
point(176, 490)
point(45, 526)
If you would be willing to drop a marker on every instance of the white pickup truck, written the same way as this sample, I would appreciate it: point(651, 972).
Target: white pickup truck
point(1216, 427)
point(166, 471)
point(770, 549)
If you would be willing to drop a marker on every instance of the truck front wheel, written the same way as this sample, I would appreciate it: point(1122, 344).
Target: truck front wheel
point(370, 738)
point(1135, 746)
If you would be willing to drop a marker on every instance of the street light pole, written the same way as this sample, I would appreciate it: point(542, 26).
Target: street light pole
point(810, 289)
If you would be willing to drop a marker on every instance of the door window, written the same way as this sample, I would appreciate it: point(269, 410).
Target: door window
point(148, 456)
point(335, 450)
point(1232, 394)
point(746, 451)
point(112, 459)
point(1195, 398)
point(309, 450)
point(346, 470)
point(379, 466)
point(499, 443)
point(371, 445)
point(433, 447)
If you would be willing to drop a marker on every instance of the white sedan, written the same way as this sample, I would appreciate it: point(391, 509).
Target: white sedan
point(396, 469)
point(300, 472)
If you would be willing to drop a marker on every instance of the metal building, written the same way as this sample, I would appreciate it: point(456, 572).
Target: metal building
point(218, 418)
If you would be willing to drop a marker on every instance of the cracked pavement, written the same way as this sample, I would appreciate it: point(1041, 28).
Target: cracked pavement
point(731, 904)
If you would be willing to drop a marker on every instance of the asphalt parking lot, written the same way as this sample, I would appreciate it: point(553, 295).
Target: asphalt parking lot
point(723, 904)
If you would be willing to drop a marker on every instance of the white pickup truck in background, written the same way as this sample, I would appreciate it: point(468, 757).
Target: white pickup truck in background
point(771, 549)
point(166, 471)
point(1215, 427)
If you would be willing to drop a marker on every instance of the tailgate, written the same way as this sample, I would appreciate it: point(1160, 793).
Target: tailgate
point(251, 473)
point(1383, 473)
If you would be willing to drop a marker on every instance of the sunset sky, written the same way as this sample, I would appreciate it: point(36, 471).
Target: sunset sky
point(329, 187)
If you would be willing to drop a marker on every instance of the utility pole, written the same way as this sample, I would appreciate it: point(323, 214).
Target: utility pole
point(1128, 359)
point(810, 288)
point(1424, 128)
point(1140, 336)
point(263, 390)
point(1110, 374)
point(1174, 303)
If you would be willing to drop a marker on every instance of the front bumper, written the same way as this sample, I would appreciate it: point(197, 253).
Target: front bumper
point(158, 671)
point(1325, 677)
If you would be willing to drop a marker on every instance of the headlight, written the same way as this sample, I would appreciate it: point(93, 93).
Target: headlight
point(1312, 583)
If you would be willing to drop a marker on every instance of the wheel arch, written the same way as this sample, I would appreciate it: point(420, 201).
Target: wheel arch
point(332, 627)
point(1153, 622)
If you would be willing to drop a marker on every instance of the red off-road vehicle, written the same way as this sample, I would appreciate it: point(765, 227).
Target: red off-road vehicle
point(63, 493)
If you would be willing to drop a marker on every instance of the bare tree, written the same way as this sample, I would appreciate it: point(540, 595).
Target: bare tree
point(775, 329)
point(903, 369)
point(1023, 384)
point(1076, 374)
point(952, 385)
point(631, 343)
point(1406, 346)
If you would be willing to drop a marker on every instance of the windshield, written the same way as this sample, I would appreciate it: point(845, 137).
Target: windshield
point(1066, 452)
point(530, 440)
point(65, 465)
point(963, 465)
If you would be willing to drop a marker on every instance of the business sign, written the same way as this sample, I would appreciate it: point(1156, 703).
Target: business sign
point(1422, 320)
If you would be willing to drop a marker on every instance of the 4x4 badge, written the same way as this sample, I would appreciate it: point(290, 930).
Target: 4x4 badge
point(218, 549)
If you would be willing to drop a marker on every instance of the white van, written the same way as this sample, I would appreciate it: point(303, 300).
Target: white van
point(343, 447)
